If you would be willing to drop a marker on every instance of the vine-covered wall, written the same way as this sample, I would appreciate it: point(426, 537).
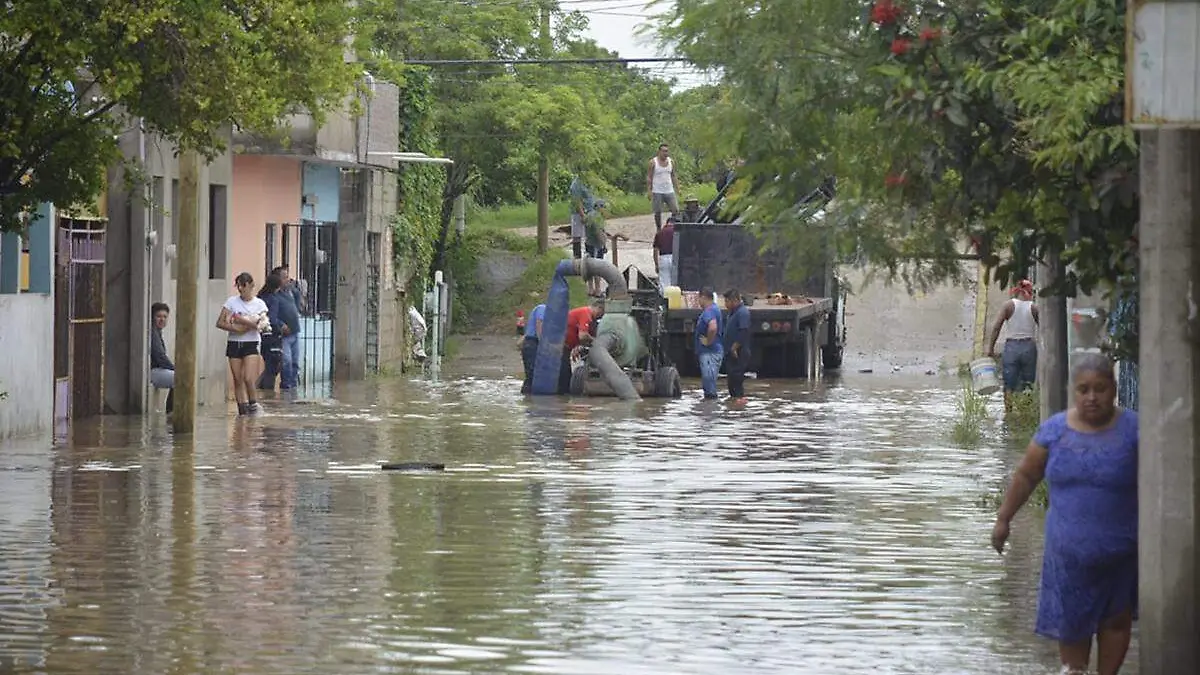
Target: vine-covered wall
point(415, 226)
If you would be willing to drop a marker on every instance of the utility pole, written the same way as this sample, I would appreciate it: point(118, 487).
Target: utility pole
point(186, 328)
point(1161, 41)
point(1169, 360)
point(543, 188)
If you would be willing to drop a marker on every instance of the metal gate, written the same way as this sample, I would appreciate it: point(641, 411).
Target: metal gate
point(309, 249)
point(79, 304)
point(372, 351)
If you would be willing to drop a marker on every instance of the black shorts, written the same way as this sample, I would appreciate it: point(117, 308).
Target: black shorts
point(240, 350)
point(577, 249)
point(594, 252)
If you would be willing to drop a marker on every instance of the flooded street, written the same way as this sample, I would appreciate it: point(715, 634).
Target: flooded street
point(826, 528)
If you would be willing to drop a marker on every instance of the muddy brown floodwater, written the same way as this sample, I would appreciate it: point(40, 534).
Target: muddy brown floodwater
point(824, 528)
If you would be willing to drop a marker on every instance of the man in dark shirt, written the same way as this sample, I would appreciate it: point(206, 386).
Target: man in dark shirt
point(290, 376)
point(664, 247)
point(737, 344)
point(162, 370)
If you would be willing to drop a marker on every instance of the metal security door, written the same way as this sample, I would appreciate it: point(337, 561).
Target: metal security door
point(79, 318)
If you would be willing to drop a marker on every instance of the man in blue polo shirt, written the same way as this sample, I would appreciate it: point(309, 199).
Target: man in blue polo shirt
point(737, 344)
point(529, 345)
point(708, 341)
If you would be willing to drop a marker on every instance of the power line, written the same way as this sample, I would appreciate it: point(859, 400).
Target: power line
point(541, 62)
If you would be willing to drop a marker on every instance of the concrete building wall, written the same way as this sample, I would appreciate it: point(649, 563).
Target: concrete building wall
point(26, 364)
point(368, 202)
point(322, 185)
point(142, 269)
point(265, 190)
point(393, 331)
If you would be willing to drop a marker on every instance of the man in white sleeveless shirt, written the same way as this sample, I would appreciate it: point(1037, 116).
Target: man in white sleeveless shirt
point(1019, 363)
point(662, 185)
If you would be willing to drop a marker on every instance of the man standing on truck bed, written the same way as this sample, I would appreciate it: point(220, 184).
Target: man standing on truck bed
point(708, 342)
point(737, 344)
point(1019, 362)
point(662, 185)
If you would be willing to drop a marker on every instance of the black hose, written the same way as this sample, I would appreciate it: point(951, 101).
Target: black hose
point(599, 356)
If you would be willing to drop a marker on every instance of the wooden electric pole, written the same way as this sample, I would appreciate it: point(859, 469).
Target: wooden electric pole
point(186, 313)
point(543, 188)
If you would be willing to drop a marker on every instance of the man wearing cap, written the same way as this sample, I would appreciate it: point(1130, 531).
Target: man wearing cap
point(1019, 362)
point(691, 209)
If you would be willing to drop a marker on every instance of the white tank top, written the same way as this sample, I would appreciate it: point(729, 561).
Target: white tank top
point(1021, 325)
point(662, 184)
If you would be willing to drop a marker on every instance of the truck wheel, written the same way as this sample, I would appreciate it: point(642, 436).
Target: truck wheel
point(578, 380)
point(666, 383)
point(831, 356)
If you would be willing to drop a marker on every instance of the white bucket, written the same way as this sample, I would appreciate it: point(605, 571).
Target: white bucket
point(983, 376)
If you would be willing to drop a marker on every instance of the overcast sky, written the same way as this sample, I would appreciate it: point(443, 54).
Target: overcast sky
point(614, 25)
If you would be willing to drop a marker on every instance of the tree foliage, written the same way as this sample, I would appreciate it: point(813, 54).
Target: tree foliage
point(75, 73)
point(989, 121)
point(602, 120)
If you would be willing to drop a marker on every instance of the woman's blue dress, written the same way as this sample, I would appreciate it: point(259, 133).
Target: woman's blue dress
point(1090, 565)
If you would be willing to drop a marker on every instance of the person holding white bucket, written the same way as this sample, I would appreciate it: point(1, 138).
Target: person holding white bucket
point(1019, 362)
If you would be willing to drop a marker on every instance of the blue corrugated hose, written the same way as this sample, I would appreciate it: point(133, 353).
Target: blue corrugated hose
point(554, 331)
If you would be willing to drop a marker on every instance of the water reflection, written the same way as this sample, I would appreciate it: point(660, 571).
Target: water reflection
point(828, 528)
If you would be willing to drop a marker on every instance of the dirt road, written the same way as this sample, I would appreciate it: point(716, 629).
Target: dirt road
point(888, 330)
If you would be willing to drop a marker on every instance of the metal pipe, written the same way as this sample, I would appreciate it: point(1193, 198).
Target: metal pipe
point(594, 267)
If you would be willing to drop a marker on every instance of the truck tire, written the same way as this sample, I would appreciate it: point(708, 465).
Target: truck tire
point(666, 383)
point(578, 380)
point(831, 356)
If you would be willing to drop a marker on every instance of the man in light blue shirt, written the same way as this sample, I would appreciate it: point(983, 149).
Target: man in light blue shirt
point(708, 342)
point(529, 345)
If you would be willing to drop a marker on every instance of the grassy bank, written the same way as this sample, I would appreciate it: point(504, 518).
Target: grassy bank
point(478, 310)
point(619, 206)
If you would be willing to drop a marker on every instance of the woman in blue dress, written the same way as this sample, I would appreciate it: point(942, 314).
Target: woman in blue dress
point(1088, 456)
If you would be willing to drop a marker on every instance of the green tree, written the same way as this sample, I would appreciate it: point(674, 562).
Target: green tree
point(941, 122)
point(76, 72)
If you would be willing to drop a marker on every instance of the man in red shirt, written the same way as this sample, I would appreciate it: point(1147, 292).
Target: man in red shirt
point(581, 328)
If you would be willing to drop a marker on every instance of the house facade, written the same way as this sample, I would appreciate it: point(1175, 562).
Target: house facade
point(320, 201)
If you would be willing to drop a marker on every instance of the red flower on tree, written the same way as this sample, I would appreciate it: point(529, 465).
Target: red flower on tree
point(930, 34)
point(900, 46)
point(885, 12)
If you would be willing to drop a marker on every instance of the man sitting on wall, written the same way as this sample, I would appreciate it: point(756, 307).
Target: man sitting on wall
point(162, 370)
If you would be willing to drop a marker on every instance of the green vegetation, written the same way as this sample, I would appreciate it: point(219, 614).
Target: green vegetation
point(503, 126)
point(972, 415)
point(475, 308)
point(77, 72)
point(1025, 414)
point(620, 205)
point(991, 121)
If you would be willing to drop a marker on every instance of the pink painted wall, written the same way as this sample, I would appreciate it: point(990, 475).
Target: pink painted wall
point(265, 190)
